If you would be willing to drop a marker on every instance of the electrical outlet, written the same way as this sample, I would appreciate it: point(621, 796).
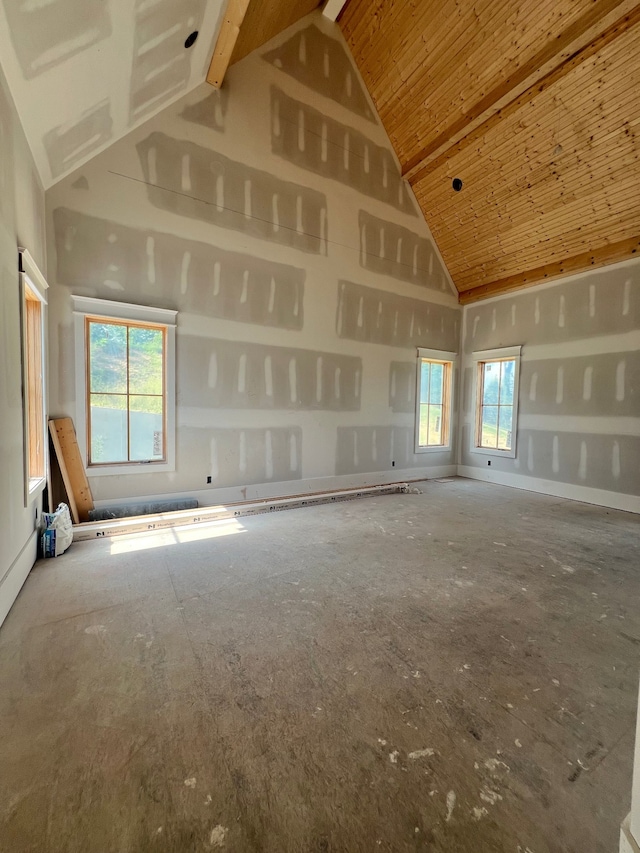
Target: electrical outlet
point(488, 462)
point(208, 480)
point(393, 464)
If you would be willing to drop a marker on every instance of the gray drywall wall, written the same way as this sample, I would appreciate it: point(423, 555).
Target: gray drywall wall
point(161, 66)
point(315, 57)
point(579, 396)
point(21, 223)
point(307, 137)
point(281, 352)
point(67, 144)
point(390, 248)
point(85, 72)
point(47, 34)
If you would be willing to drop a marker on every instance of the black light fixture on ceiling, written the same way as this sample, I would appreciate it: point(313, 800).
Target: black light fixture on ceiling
point(191, 39)
point(457, 184)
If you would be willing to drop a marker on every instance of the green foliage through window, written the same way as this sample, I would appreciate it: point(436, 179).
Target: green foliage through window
point(126, 392)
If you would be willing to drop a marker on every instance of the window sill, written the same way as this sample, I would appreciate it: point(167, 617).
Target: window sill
point(493, 451)
point(434, 448)
point(130, 468)
point(35, 487)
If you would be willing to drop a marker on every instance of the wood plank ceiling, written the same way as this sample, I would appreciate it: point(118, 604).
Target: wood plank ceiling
point(535, 106)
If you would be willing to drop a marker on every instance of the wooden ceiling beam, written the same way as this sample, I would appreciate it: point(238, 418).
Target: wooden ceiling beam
point(505, 151)
point(333, 8)
point(518, 267)
point(607, 19)
point(227, 37)
point(609, 254)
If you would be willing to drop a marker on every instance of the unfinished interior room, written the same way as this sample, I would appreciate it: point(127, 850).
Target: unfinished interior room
point(319, 426)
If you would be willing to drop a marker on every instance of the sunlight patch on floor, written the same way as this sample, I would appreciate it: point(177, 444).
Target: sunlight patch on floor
point(130, 542)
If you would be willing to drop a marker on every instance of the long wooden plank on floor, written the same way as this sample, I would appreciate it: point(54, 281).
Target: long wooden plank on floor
point(65, 443)
point(208, 514)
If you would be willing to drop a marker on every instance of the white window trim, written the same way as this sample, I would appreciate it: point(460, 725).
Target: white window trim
point(84, 306)
point(444, 357)
point(30, 274)
point(502, 354)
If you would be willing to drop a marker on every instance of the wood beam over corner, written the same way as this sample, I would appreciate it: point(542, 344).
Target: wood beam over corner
point(605, 21)
point(333, 8)
point(610, 254)
point(227, 37)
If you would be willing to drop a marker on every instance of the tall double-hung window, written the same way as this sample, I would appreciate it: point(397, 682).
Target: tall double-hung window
point(125, 386)
point(434, 382)
point(496, 401)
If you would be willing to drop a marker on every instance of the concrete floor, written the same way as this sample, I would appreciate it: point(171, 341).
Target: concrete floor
point(450, 671)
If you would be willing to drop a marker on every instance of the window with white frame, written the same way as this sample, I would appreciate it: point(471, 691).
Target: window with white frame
point(434, 380)
point(125, 386)
point(496, 401)
point(33, 287)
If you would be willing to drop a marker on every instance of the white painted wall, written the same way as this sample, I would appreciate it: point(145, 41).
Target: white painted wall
point(21, 223)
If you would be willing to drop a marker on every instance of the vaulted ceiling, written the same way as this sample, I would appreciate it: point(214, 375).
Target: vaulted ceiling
point(534, 106)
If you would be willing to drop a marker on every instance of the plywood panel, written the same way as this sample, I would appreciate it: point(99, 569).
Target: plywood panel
point(264, 19)
point(65, 443)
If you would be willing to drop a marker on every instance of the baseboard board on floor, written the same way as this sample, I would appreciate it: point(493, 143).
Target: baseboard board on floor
point(585, 494)
point(16, 576)
point(271, 491)
point(208, 514)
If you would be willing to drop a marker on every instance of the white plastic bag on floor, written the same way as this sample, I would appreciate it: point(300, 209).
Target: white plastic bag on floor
point(57, 533)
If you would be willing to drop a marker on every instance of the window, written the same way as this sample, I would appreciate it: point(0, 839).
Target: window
point(496, 406)
point(33, 287)
point(125, 387)
point(433, 399)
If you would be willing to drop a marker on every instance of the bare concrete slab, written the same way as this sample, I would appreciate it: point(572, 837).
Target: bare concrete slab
point(448, 671)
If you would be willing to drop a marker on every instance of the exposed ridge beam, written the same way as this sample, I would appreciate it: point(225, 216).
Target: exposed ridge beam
point(605, 21)
point(628, 21)
point(610, 254)
point(227, 37)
